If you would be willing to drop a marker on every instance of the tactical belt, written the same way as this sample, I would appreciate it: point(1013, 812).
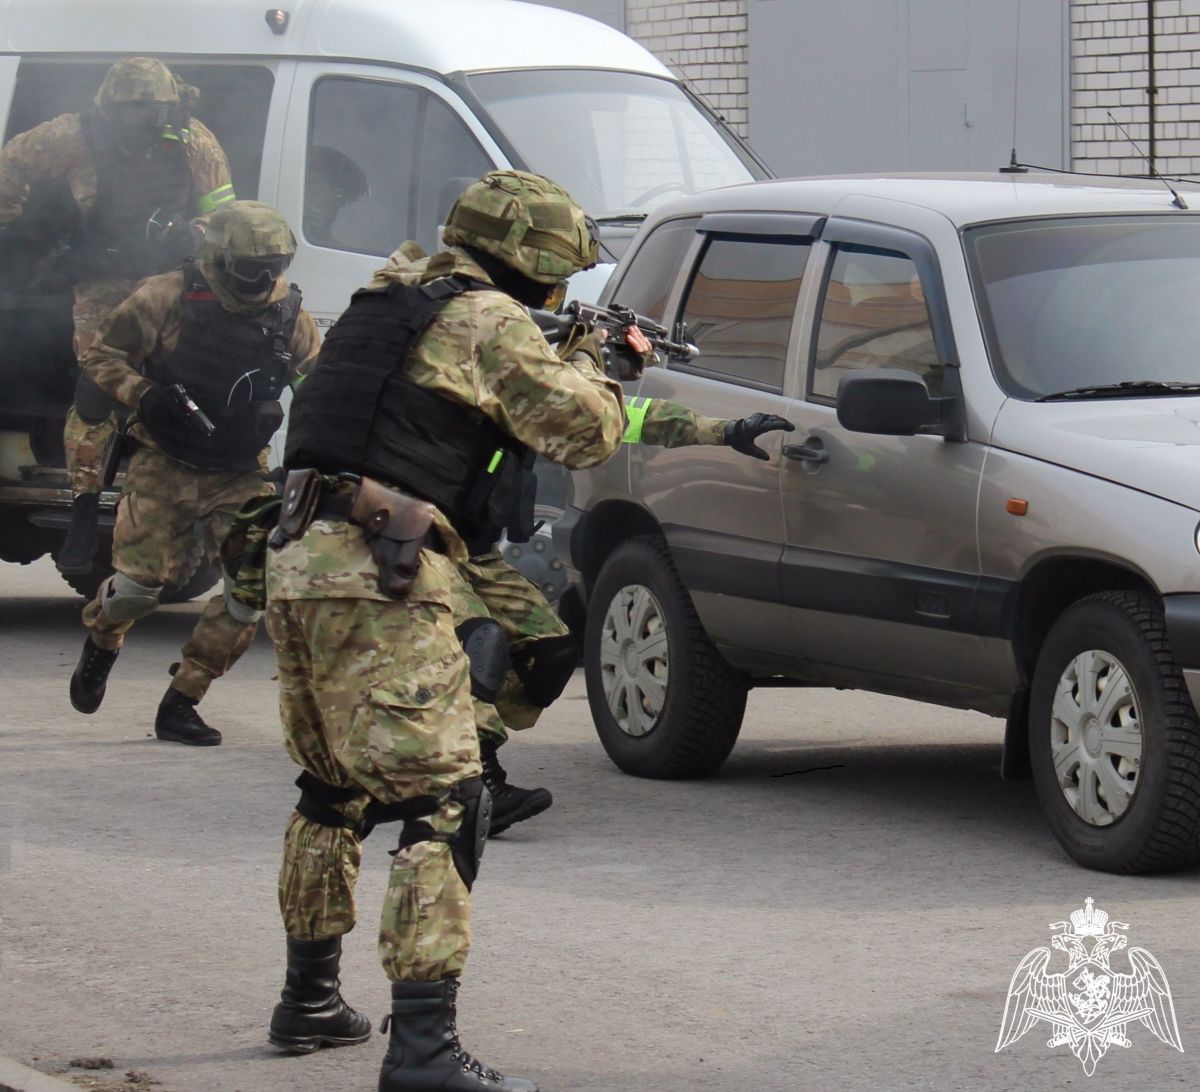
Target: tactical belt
point(336, 506)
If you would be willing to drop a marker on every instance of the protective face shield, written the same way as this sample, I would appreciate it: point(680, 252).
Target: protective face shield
point(138, 126)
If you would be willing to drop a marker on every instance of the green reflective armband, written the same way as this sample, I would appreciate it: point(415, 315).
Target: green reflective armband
point(222, 195)
point(495, 460)
point(635, 411)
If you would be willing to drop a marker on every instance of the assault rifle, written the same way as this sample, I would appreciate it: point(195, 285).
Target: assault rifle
point(615, 321)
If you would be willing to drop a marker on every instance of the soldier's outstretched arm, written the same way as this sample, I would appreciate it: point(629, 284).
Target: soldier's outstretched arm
point(51, 150)
point(129, 335)
point(662, 423)
point(568, 411)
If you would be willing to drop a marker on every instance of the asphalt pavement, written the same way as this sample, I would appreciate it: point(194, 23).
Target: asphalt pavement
point(840, 909)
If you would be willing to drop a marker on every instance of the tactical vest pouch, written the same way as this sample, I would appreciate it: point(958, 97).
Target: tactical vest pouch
point(396, 527)
point(301, 491)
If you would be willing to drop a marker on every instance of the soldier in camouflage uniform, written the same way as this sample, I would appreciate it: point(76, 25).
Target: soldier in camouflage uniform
point(138, 168)
point(230, 332)
point(543, 651)
point(433, 385)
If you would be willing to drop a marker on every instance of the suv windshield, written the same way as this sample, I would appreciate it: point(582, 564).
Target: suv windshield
point(619, 142)
point(1086, 302)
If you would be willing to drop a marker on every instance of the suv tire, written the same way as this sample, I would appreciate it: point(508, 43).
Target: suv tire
point(198, 575)
point(687, 727)
point(1145, 737)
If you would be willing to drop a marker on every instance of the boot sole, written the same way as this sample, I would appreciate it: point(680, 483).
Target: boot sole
point(81, 569)
point(535, 807)
point(86, 709)
point(312, 1044)
point(166, 738)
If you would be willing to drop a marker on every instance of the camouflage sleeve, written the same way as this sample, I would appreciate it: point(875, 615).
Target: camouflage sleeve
point(568, 411)
point(660, 423)
point(306, 343)
point(212, 184)
point(51, 150)
point(130, 334)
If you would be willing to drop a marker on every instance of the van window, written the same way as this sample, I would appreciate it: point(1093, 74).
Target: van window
point(873, 316)
point(413, 154)
point(739, 308)
point(234, 101)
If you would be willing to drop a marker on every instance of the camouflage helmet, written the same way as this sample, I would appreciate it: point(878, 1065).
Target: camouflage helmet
point(138, 79)
point(246, 229)
point(526, 221)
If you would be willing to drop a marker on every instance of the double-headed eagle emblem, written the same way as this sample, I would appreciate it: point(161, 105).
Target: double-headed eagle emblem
point(1089, 1005)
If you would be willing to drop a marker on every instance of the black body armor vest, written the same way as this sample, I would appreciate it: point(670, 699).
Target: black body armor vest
point(358, 412)
point(234, 367)
point(129, 191)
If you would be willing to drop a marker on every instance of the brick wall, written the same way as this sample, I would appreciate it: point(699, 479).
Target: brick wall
point(1110, 73)
point(702, 40)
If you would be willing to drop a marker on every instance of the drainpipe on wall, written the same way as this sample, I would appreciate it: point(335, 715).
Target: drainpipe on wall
point(1151, 86)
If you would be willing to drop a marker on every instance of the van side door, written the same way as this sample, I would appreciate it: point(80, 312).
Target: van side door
point(372, 157)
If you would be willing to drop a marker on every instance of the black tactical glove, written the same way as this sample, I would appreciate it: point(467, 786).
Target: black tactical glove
point(741, 434)
point(160, 411)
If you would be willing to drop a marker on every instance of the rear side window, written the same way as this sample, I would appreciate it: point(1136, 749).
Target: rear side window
point(406, 153)
point(740, 304)
point(873, 315)
point(234, 101)
point(649, 280)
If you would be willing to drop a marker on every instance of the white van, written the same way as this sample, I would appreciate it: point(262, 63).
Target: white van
point(419, 97)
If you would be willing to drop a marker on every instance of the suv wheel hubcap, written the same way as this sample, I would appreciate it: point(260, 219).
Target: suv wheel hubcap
point(1096, 737)
point(633, 659)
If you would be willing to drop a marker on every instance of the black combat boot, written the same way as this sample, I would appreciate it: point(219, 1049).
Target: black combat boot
point(91, 676)
point(311, 1013)
point(424, 1054)
point(79, 547)
point(179, 722)
point(509, 803)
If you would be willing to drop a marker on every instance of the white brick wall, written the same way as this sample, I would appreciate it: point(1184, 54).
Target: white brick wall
point(702, 40)
point(1110, 74)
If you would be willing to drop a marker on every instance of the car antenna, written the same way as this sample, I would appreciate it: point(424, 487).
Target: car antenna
point(1178, 201)
point(1014, 166)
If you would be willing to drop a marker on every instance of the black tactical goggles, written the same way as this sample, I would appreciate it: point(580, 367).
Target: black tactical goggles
point(257, 272)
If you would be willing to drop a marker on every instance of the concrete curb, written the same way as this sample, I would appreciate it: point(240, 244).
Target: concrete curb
point(15, 1077)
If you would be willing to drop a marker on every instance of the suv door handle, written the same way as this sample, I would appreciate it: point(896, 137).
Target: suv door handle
point(811, 453)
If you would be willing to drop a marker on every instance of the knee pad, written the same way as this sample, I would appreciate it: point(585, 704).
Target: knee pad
point(486, 645)
point(126, 600)
point(545, 666)
point(466, 844)
point(91, 403)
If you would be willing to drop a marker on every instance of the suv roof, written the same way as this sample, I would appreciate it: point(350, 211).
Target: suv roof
point(962, 198)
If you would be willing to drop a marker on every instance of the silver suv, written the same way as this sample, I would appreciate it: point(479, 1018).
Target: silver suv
point(990, 501)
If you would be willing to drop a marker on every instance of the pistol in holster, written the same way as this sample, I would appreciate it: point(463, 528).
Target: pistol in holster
point(396, 526)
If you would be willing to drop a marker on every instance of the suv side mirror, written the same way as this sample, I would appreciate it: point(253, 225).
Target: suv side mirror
point(886, 402)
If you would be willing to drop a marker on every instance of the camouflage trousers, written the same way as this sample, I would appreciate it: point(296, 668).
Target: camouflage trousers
point(374, 695)
point(493, 587)
point(168, 517)
point(84, 442)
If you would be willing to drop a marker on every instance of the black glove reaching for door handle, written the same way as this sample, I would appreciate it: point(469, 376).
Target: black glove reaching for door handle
point(741, 434)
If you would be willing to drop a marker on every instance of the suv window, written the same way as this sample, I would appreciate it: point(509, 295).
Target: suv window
point(739, 307)
point(645, 287)
point(234, 100)
point(873, 315)
point(413, 153)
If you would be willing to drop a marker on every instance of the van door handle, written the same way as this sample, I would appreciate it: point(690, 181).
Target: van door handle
point(812, 452)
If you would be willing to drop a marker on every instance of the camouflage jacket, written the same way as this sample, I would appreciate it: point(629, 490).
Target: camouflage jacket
point(484, 351)
point(144, 330)
point(58, 149)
